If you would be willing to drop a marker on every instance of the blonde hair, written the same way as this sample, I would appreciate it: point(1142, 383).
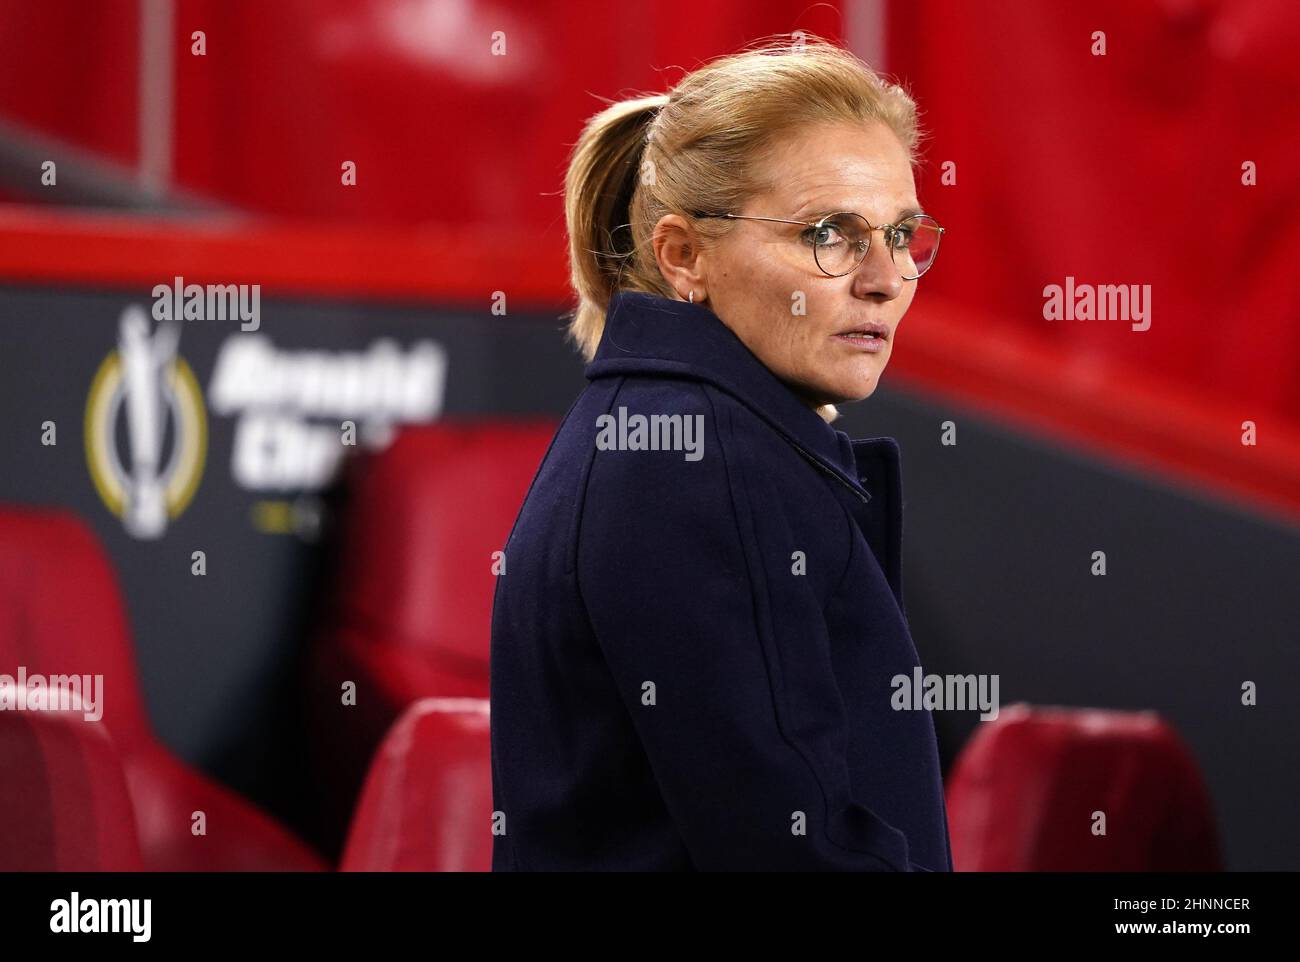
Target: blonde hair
point(700, 147)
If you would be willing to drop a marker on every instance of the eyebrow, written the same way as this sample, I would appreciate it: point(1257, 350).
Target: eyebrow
point(823, 210)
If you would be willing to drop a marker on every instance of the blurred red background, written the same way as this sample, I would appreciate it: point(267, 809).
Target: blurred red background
point(1044, 161)
point(1118, 169)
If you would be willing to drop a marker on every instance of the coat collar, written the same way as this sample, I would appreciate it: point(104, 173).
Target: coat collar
point(649, 334)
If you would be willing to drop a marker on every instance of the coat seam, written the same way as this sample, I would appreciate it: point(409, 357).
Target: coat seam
point(851, 527)
point(575, 535)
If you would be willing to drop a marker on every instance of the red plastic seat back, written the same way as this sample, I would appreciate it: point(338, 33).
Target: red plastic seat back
point(1023, 794)
point(64, 805)
point(409, 613)
point(61, 612)
point(427, 802)
point(421, 523)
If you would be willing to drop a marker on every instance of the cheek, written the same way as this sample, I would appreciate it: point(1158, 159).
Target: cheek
point(776, 293)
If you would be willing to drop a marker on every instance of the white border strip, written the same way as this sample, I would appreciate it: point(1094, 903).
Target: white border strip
point(155, 95)
point(865, 23)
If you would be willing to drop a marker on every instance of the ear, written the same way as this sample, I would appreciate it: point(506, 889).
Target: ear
point(680, 257)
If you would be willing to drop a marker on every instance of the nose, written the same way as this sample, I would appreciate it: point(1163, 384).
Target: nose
point(878, 274)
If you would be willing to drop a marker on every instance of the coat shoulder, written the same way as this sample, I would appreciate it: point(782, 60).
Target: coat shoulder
point(657, 431)
point(665, 430)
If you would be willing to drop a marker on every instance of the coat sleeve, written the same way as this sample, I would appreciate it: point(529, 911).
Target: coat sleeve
point(674, 594)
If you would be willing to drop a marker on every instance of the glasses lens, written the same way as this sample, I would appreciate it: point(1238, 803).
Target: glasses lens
point(840, 242)
point(916, 244)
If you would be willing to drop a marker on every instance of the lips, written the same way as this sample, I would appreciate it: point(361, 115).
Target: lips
point(869, 330)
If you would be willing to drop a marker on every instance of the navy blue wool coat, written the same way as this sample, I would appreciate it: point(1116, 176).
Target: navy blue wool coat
point(695, 634)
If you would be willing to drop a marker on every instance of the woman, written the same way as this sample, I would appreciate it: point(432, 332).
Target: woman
point(693, 647)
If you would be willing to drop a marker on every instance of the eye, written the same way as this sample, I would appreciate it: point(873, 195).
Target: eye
point(826, 235)
point(903, 237)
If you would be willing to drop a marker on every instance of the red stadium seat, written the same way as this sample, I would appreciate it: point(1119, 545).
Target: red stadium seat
point(61, 612)
point(64, 804)
point(427, 802)
point(1022, 794)
point(410, 612)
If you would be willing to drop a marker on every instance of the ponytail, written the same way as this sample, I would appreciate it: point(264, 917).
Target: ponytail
point(604, 170)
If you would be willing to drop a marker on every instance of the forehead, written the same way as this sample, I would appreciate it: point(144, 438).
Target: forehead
point(863, 168)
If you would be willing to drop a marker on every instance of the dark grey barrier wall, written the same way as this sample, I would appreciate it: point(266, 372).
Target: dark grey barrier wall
point(999, 532)
point(218, 655)
point(1198, 598)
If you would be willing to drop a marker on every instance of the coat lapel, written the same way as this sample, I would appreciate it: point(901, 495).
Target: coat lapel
point(881, 521)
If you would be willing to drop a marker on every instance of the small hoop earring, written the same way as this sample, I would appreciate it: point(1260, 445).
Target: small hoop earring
point(692, 297)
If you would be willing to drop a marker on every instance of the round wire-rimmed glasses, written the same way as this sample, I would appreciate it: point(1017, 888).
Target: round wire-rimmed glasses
point(840, 241)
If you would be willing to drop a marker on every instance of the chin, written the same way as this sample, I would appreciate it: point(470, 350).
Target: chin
point(843, 393)
point(856, 396)
point(851, 389)
point(846, 385)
